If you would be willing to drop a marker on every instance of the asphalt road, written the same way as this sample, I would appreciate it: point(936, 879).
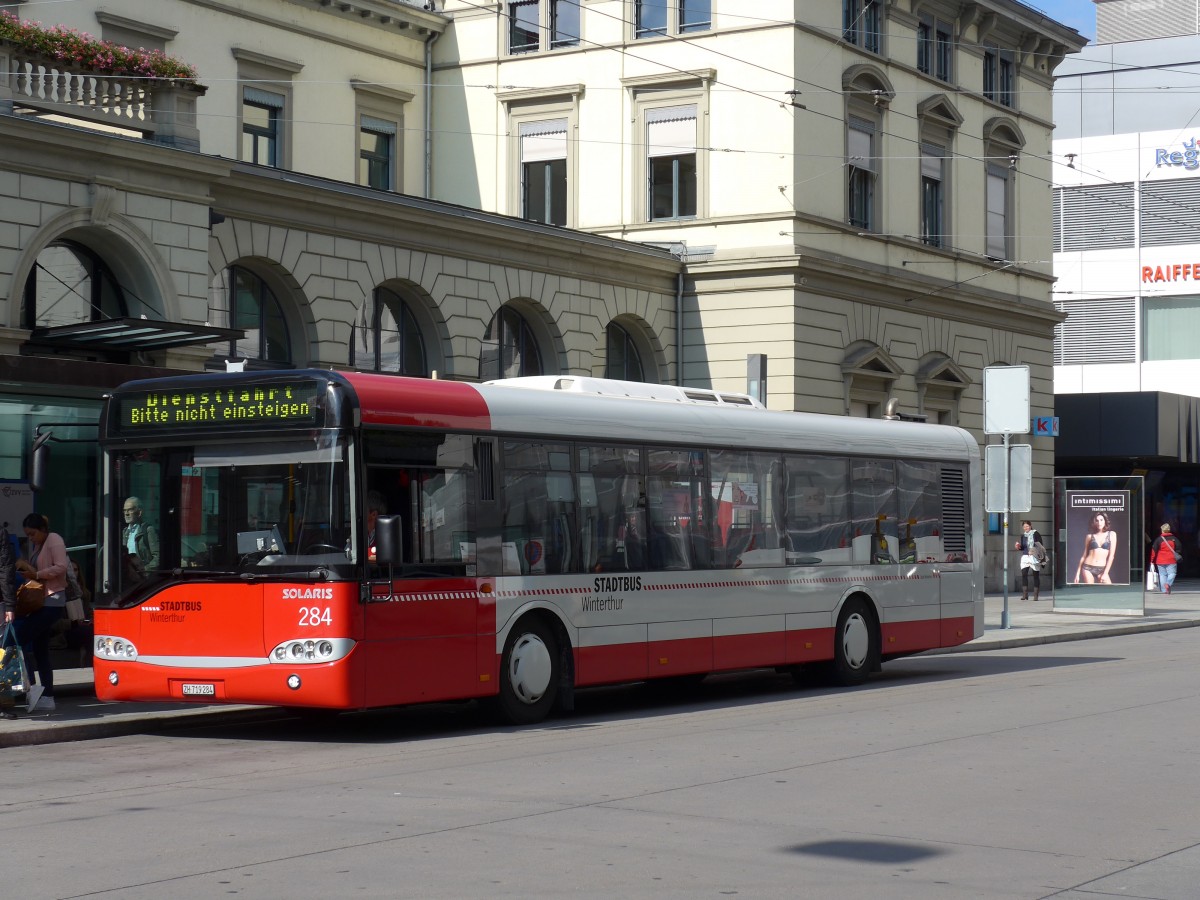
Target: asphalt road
point(1065, 770)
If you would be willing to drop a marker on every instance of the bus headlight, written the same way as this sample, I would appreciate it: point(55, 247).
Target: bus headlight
point(109, 647)
point(311, 650)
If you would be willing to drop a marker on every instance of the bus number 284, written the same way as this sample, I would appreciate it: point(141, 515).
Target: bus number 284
point(314, 615)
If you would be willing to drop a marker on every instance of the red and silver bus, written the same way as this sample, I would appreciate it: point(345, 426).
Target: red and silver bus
point(347, 541)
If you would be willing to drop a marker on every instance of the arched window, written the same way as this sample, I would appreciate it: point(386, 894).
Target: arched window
point(387, 337)
point(623, 361)
point(510, 349)
point(70, 284)
point(254, 308)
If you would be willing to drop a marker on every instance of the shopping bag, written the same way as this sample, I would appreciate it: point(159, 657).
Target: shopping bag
point(1151, 579)
point(13, 677)
point(31, 596)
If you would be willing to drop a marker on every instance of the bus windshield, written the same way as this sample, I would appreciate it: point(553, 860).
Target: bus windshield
point(232, 507)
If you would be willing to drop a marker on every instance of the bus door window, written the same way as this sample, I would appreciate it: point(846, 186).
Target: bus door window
point(428, 479)
point(539, 510)
point(612, 509)
point(818, 510)
point(873, 504)
point(674, 506)
point(747, 490)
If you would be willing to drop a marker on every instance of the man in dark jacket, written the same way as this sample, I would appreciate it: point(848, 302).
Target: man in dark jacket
point(139, 537)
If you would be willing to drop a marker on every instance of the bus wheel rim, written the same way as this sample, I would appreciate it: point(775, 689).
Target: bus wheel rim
point(530, 668)
point(856, 641)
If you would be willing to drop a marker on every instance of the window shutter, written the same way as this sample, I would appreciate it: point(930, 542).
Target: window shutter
point(262, 98)
point(860, 142)
point(541, 141)
point(1096, 331)
point(377, 126)
point(671, 130)
point(997, 215)
point(1096, 217)
point(1168, 211)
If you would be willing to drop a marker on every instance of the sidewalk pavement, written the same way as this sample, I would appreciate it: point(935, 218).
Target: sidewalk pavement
point(80, 716)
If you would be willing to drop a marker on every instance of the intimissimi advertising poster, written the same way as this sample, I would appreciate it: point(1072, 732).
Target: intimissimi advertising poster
point(1097, 537)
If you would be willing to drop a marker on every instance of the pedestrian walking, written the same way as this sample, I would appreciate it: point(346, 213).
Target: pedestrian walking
point(1165, 554)
point(1031, 564)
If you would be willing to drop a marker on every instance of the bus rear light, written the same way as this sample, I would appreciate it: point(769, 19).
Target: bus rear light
point(311, 650)
point(108, 647)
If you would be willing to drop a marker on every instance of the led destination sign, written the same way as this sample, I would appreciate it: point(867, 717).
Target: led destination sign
point(265, 404)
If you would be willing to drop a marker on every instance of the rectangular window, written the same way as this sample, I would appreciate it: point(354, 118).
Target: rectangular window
point(1166, 213)
point(860, 163)
point(997, 213)
point(524, 33)
point(612, 512)
point(873, 504)
point(1170, 326)
point(564, 23)
point(656, 18)
point(933, 161)
point(925, 47)
point(544, 171)
point(650, 17)
point(261, 116)
point(376, 152)
point(944, 52)
point(695, 15)
point(1007, 85)
point(1101, 216)
point(920, 512)
point(749, 511)
point(818, 509)
point(999, 76)
point(675, 510)
point(1097, 330)
point(539, 509)
point(861, 24)
point(671, 161)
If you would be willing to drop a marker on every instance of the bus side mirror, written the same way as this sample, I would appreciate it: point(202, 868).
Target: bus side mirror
point(388, 549)
point(40, 467)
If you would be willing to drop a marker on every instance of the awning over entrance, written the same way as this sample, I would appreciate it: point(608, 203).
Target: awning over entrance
point(130, 335)
point(1150, 426)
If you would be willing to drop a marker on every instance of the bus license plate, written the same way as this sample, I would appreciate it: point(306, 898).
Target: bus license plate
point(199, 690)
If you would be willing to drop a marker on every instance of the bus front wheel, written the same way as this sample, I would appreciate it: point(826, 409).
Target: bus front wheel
point(856, 644)
point(529, 673)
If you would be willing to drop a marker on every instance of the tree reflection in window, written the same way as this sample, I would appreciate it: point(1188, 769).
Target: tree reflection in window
point(387, 338)
point(254, 308)
point(623, 362)
point(510, 349)
point(70, 284)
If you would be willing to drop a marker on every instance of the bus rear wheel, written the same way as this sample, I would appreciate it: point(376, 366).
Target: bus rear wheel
point(856, 644)
point(529, 673)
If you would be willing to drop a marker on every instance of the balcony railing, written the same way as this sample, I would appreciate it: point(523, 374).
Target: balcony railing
point(161, 110)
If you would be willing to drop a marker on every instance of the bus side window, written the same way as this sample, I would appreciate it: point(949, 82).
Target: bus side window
point(818, 509)
point(612, 510)
point(538, 510)
point(873, 504)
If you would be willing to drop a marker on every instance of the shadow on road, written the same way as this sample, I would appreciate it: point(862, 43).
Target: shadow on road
point(623, 702)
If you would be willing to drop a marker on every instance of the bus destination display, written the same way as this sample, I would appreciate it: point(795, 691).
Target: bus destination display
point(267, 404)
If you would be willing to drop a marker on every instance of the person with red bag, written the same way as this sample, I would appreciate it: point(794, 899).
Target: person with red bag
point(1164, 556)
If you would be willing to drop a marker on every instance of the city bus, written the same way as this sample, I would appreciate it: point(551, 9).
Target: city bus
point(345, 541)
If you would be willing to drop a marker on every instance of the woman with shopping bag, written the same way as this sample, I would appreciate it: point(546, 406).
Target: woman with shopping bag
point(46, 562)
